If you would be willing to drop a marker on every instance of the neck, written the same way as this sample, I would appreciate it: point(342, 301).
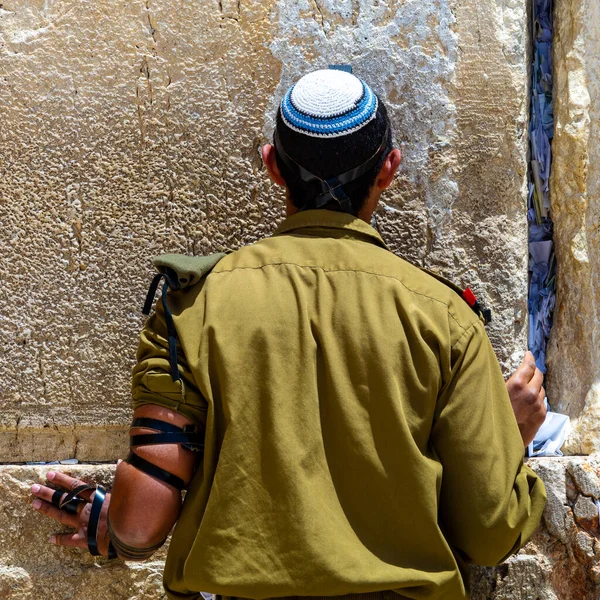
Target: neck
point(365, 213)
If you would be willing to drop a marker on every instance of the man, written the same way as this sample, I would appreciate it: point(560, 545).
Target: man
point(358, 434)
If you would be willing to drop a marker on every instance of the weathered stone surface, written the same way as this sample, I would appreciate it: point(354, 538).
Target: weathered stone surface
point(574, 351)
point(586, 475)
point(561, 562)
point(30, 567)
point(130, 129)
point(557, 514)
point(572, 491)
point(586, 513)
point(87, 443)
point(127, 130)
point(15, 583)
point(522, 577)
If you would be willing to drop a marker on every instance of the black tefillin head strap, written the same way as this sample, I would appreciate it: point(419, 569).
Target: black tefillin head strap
point(332, 188)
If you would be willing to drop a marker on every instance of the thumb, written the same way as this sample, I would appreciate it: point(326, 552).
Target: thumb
point(529, 359)
point(527, 368)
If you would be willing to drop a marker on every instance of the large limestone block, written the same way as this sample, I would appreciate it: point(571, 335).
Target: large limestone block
point(562, 561)
point(31, 567)
point(128, 129)
point(574, 349)
point(133, 128)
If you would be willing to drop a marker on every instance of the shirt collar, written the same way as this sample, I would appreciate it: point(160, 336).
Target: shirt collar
point(330, 219)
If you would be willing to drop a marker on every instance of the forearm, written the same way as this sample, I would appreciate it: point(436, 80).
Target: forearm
point(489, 501)
point(143, 509)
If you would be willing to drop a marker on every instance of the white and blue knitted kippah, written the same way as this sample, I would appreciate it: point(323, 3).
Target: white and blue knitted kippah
point(328, 103)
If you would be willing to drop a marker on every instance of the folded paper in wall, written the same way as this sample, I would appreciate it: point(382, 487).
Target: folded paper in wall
point(551, 435)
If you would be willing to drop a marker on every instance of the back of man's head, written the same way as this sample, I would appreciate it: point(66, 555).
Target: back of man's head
point(329, 124)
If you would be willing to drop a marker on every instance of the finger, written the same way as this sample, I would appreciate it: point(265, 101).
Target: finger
point(537, 380)
point(74, 540)
point(539, 406)
point(541, 413)
point(48, 494)
point(524, 372)
point(527, 367)
point(69, 483)
point(42, 491)
point(63, 517)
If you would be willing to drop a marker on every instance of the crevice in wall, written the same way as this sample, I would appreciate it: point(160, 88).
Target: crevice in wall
point(542, 262)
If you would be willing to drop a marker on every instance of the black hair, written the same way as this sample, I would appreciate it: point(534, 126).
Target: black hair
point(328, 157)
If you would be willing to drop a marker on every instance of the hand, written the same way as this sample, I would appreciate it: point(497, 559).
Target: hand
point(78, 520)
point(527, 397)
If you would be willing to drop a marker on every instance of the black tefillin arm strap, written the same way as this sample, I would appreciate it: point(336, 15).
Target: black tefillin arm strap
point(127, 552)
point(70, 503)
point(92, 533)
point(151, 469)
point(172, 283)
point(332, 188)
point(187, 436)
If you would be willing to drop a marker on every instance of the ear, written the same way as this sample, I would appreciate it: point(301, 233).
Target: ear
point(268, 156)
point(388, 169)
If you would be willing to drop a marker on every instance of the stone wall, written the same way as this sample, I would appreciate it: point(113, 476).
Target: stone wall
point(131, 129)
point(574, 349)
point(562, 561)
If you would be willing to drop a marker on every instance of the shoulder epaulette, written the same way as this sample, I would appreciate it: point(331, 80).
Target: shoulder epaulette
point(184, 271)
point(178, 271)
point(467, 295)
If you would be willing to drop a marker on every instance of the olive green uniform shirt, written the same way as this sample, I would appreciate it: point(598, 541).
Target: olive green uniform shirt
point(358, 432)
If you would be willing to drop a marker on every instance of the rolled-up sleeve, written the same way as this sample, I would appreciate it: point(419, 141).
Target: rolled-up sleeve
point(152, 383)
point(490, 501)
